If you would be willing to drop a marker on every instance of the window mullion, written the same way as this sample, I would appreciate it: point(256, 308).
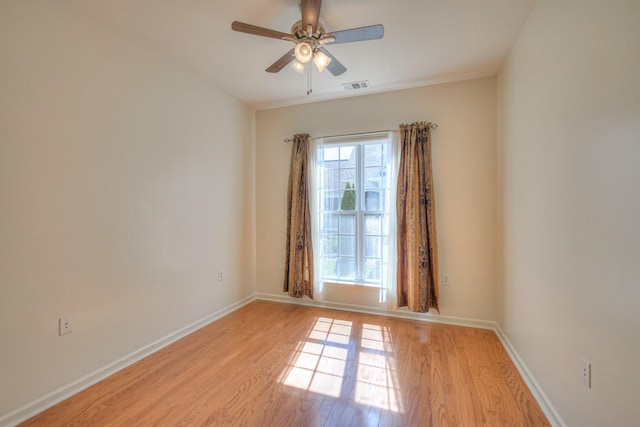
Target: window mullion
point(359, 214)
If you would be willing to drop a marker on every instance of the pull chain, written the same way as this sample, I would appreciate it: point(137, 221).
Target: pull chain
point(309, 81)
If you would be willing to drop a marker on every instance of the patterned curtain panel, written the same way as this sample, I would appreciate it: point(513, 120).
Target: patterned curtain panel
point(298, 272)
point(417, 248)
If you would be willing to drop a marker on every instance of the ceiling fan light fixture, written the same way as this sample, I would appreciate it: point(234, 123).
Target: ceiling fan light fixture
point(303, 52)
point(297, 66)
point(321, 60)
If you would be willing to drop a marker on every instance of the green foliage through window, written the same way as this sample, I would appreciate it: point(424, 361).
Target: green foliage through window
point(349, 198)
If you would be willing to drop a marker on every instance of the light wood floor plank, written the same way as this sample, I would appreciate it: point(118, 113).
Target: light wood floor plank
point(272, 364)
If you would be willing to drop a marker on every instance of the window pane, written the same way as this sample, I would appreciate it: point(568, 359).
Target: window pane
point(331, 177)
point(348, 201)
point(374, 177)
point(348, 175)
point(372, 270)
point(330, 267)
point(347, 245)
point(330, 224)
point(372, 224)
point(346, 268)
point(330, 245)
point(347, 224)
point(347, 153)
point(331, 200)
point(331, 153)
point(372, 246)
point(373, 155)
point(372, 200)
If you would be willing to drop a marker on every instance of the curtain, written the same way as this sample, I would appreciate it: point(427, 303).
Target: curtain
point(316, 173)
point(389, 288)
point(417, 243)
point(298, 274)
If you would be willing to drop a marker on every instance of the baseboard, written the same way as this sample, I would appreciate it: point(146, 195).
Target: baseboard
point(545, 404)
point(30, 409)
point(400, 313)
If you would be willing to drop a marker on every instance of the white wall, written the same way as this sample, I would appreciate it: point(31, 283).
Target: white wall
point(464, 169)
point(570, 115)
point(125, 183)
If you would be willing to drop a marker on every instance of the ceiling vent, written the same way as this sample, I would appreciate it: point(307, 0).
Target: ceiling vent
point(356, 85)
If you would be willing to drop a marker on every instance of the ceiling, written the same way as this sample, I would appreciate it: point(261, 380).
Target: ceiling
point(425, 42)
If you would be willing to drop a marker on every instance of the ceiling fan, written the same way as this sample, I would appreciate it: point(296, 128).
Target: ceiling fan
point(309, 37)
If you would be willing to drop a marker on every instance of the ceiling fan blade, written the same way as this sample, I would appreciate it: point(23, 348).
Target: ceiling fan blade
point(310, 14)
point(281, 63)
point(258, 31)
point(371, 32)
point(334, 67)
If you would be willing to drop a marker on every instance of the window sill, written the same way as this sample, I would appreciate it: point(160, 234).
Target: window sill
point(352, 284)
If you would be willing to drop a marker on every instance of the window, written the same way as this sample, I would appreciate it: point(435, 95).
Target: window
point(353, 209)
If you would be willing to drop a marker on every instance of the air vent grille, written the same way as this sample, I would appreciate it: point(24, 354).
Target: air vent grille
point(356, 85)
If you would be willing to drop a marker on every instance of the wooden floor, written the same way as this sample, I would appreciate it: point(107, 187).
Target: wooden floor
point(272, 364)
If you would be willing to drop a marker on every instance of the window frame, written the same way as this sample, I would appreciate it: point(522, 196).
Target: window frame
point(384, 211)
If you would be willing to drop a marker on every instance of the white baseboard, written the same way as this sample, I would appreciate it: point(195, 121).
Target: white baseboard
point(547, 407)
point(401, 313)
point(27, 411)
point(30, 409)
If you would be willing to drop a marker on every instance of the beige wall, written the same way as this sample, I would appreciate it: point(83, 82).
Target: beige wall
point(464, 168)
point(125, 183)
point(571, 175)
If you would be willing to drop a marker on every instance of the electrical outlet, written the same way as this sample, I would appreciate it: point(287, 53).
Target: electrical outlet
point(65, 325)
point(220, 275)
point(586, 373)
point(446, 279)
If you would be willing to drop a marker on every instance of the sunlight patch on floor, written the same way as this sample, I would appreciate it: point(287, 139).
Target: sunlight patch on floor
point(376, 381)
point(320, 362)
point(319, 365)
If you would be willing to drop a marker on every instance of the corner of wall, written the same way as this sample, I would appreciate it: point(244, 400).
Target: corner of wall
point(499, 286)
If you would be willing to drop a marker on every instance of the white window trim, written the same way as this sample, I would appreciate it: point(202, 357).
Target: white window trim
point(388, 288)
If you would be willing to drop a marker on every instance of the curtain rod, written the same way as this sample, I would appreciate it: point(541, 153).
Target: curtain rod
point(431, 126)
